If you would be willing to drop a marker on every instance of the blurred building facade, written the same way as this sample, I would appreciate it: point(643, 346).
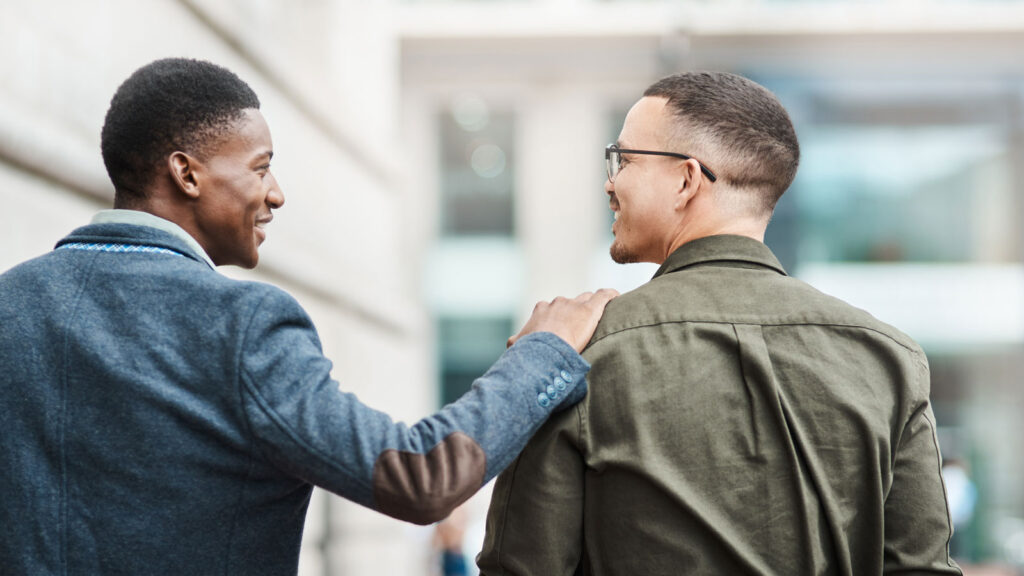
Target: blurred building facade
point(328, 84)
point(443, 167)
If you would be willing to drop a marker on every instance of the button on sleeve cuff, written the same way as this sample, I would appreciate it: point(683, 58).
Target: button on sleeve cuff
point(565, 385)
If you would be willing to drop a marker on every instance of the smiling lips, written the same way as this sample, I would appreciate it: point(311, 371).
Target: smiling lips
point(261, 223)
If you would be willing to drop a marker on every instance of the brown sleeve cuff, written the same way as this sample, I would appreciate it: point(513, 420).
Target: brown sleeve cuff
point(425, 488)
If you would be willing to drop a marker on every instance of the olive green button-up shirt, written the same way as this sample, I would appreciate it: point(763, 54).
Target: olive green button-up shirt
point(738, 421)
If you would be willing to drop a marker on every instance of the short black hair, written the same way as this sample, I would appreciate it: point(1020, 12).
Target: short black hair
point(741, 123)
point(166, 106)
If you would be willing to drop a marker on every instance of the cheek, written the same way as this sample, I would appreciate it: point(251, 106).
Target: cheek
point(256, 197)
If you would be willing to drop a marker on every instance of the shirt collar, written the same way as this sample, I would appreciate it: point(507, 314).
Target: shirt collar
point(726, 249)
point(139, 218)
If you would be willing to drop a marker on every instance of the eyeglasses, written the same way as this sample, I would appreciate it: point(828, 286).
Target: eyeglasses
point(613, 160)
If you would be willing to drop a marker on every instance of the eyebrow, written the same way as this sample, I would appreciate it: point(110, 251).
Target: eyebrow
point(269, 154)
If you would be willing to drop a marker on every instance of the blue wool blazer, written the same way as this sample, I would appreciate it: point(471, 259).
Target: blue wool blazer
point(160, 418)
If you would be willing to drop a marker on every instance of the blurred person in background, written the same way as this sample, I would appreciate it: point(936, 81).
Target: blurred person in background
point(739, 421)
point(449, 536)
point(962, 495)
point(160, 418)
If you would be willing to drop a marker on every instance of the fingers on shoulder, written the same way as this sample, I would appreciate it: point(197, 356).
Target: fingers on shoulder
point(584, 297)
point(601, 297)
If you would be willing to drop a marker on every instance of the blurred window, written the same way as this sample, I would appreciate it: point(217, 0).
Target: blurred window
point(894, 171)
point(893, 194)
point(468, 346)
point(477, 169)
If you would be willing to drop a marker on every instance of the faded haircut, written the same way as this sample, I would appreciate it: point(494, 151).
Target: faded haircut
point(740, 129)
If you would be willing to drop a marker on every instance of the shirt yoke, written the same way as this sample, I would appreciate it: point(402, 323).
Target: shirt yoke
point(736, 295)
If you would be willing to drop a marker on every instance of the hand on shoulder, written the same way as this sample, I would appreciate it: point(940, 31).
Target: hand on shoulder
point(573, 320)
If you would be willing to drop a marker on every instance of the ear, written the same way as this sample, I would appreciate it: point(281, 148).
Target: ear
point(183, 171)
point(691, 183)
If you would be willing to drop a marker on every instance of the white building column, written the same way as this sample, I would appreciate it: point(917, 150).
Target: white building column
point(559, 191)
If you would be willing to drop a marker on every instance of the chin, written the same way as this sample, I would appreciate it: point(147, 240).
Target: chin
point(247, 261)
point(621, 254)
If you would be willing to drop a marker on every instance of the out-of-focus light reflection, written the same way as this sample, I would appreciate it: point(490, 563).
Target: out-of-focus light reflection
point(488, 160)
point(470, 112)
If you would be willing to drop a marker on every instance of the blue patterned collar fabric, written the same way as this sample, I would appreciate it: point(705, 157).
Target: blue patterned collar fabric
point(138, 218)
point(123, 248)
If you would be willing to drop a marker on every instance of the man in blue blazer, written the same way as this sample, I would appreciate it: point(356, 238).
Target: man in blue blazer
point(160, 418)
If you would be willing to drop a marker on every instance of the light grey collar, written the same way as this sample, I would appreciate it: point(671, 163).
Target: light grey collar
point(138, 218)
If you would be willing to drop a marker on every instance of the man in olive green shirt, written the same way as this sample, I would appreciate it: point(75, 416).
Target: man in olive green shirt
point(738, 420)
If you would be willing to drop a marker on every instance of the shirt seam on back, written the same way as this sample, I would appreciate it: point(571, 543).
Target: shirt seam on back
point(762, 324)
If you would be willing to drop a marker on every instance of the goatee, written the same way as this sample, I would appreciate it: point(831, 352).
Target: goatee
point(620, 254)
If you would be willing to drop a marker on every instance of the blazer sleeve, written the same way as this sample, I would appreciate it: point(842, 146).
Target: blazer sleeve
point(307, 426)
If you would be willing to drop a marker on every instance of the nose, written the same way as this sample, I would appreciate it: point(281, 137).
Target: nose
point(609, 187)
point(275, 197)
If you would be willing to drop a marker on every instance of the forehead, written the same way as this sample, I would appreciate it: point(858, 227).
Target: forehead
point(646, 124)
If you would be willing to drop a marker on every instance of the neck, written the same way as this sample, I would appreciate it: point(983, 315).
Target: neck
point(162, 203)
point(157, 204)
point(697, 228)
